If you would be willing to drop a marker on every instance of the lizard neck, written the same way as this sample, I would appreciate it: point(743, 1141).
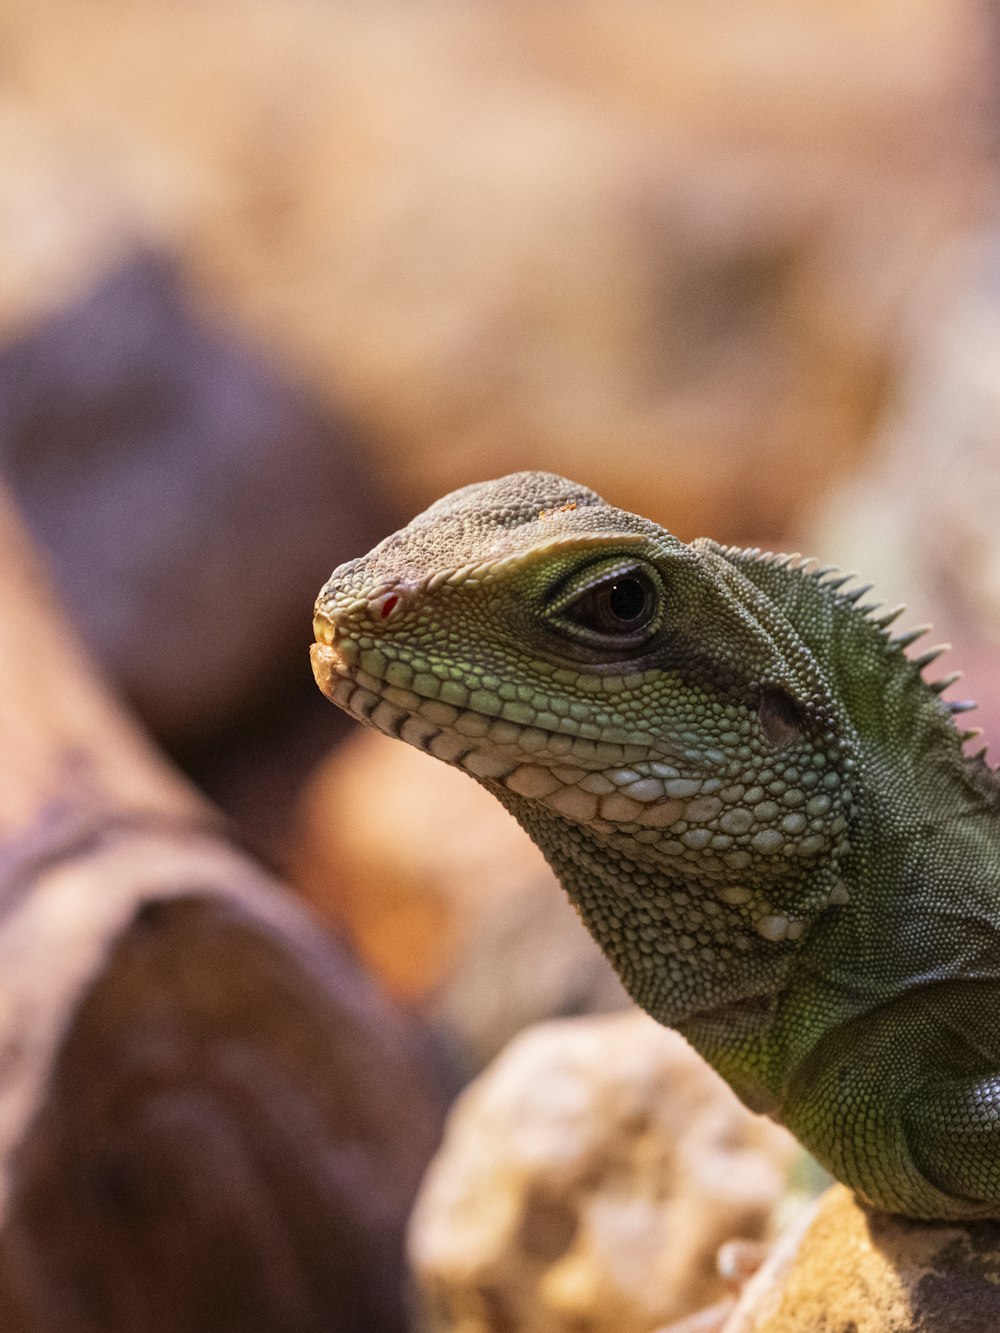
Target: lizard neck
point(756, 1009)
point(924, 844)
point(923, 894)
point(922, 889)
point(677, 948)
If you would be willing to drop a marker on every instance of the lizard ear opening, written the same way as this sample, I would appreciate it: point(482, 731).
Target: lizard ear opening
point(780, 716)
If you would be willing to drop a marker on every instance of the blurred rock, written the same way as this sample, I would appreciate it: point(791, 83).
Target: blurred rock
point(631, 243)
point(230, 1132)
point(587, 1180)
point(444, 896)
point(843, 1267)
point(191, 501)
point(709, 1320)
point(922, 521)
point(673, 295)
point(211, 1121)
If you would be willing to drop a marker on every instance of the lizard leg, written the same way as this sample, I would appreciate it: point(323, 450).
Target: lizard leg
point(953, 1130)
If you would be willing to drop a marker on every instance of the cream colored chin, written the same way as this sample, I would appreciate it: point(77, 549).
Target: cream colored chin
point(327, 667)
point(650, 801)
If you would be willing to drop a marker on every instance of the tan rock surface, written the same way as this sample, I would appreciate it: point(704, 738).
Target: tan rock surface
point(845, 1268)
point(444, 896)
point(587, 1180)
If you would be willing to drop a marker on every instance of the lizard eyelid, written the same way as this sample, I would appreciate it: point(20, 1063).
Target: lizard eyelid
point(616, 602)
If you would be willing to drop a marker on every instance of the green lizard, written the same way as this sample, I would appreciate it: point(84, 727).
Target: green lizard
point(760, 808)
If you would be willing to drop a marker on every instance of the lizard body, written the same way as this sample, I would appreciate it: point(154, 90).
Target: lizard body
point(760, 808)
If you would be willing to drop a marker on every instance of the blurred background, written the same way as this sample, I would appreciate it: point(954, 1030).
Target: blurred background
point(278, 273)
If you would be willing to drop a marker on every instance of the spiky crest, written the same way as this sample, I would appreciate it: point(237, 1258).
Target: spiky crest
point(824, 606)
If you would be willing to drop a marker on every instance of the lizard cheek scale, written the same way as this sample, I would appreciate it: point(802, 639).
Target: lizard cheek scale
point(723, 757)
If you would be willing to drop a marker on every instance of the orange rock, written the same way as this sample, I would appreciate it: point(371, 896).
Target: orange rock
point(843, 1267)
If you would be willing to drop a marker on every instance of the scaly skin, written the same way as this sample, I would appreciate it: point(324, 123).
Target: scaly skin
point(759, 807)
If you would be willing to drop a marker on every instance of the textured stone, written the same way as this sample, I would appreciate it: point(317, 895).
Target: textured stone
point(843, 1267)
point(229, 1134)
point(587, 1180)
point(210, 1118)
point(444, 896)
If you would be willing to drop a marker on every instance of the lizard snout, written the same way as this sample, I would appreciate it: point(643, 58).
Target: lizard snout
point(344, 611)
point(341, 617)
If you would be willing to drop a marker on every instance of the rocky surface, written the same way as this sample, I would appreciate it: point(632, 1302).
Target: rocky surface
point(845, 1268)
point(587, 1180)
point(444, 896)
point(210, 1118)
point(206, 1123)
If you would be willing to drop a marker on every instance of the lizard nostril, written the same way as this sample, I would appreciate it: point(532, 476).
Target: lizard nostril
point(342, 611)
point(387, 601)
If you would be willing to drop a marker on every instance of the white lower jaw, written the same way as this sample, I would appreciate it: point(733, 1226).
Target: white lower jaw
point(474, 754)
point(466, 744)
point(598, 789)
point(573, 791)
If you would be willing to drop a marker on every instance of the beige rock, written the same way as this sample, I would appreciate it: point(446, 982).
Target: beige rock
point(444, 896)
point(710, 1320)
point(843, 1267)
point(587, 1180)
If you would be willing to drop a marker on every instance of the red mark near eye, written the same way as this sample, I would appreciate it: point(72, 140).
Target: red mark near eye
point(388, 606)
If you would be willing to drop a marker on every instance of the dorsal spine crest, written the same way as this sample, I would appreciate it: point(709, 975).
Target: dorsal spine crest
point(809, 595)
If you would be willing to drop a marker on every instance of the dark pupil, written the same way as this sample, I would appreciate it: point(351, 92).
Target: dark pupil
point(627, 600)
point(620, 605)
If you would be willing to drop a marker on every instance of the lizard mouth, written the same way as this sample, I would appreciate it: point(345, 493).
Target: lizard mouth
point(374, 701)
point(587, 781)
point(328, 666)
point(397, 713)
point(485, 746)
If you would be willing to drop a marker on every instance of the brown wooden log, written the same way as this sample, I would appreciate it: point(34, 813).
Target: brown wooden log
point(209, 1118)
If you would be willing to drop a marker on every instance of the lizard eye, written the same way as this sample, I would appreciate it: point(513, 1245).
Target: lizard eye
point(620, 605)
point(615, 601)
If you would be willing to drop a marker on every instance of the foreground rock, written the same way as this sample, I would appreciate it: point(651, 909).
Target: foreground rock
point(587, 1180)
point(209, 1117)
point(844, 1267)
point(444, 896)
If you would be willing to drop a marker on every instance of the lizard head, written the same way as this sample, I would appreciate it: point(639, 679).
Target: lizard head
point(644, 710)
